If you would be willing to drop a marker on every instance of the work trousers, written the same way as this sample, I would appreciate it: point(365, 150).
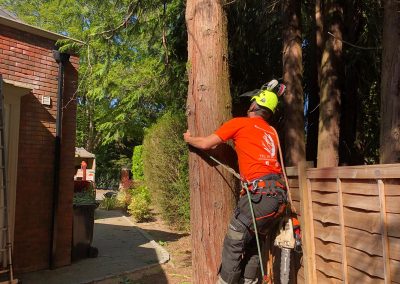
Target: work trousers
point(239, 254)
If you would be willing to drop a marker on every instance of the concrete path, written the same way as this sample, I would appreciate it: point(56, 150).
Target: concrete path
point(123, 249)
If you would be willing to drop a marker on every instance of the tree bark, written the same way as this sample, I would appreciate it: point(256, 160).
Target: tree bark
point(319, 34)
point(390, 86)
point(331, 86)
point(292, 76)
point(208, 106)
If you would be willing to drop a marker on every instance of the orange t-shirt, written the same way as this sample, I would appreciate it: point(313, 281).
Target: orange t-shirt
point(256, 145)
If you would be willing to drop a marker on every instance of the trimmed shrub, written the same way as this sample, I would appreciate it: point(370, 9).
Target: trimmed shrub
point(124, 197)
point(139, 207)
point(137, 163)
point(165, 162)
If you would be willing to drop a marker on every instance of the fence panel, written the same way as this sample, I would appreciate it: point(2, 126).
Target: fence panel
point(351, 224)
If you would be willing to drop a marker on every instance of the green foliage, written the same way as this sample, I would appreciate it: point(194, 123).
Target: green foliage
point(165, 157)
point(125, 79)
point(367, 138)
point(109, 203)
point(107, 178)
point(365, 30)
point(109, 161)
point(140, 204)
point(124, 198)
point(137, 163)
point(86, 197)
point(255, 45)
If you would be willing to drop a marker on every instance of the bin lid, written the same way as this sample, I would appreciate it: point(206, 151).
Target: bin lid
point(83, 153)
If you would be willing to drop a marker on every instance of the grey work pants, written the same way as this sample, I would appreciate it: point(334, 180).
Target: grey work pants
point(239, 254)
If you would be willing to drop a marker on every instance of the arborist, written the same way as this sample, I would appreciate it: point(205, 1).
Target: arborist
point(256, 144)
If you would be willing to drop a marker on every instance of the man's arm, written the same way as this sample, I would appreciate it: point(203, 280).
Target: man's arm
point(201, 142)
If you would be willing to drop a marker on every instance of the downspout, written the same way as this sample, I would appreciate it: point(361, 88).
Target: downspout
point(61, 59)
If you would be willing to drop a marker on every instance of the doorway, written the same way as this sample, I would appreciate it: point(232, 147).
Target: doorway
point(12, 92)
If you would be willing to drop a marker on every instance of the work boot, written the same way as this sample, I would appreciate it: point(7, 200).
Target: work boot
point(250, 281)
point(220, 280)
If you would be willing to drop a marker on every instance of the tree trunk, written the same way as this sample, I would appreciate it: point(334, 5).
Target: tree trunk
point(319, 34)
point(390, 86)
point(330, 86)
point(208, 106)
point(292, 76)
point(314, 83)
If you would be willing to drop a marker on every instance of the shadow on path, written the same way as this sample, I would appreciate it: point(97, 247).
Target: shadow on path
point(123, 251)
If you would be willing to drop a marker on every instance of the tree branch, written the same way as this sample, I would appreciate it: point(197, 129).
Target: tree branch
point(229, 3)
point(164, 33)
point(271, 7)
point(131, 10)
point(353, 45)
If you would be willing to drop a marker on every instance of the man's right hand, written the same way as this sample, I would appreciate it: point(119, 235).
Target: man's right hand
point(201, 142)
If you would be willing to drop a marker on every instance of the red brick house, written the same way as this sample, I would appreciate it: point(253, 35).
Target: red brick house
point(40, 207)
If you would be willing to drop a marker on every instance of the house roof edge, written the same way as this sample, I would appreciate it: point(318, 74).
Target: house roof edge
point(34, 30)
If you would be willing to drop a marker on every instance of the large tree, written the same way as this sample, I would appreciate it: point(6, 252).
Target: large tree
point(331, 85)
point(208, 105)
point(390, 86)
point(292, 76)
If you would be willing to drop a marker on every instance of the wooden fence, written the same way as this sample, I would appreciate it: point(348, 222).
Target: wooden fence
point(350, 220)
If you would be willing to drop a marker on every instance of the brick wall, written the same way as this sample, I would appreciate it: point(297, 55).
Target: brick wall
point(28, 59)
point(125, 182)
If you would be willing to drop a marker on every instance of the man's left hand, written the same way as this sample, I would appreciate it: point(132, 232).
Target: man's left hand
point(186, 136)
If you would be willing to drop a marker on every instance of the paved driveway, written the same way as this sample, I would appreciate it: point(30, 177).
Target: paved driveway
point(123, 249)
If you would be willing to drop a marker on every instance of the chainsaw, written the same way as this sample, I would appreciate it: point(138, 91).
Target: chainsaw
point(288, 238)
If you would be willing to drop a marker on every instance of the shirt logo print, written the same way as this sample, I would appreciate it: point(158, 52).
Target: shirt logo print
point(268, 144)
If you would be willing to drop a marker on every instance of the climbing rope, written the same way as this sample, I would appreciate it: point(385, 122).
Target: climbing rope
point(289, 197)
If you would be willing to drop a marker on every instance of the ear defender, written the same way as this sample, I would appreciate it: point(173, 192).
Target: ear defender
point(279, 90)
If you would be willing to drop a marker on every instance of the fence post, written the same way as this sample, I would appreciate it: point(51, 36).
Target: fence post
point(342, 230)
point(306, 224)
point(384, 232)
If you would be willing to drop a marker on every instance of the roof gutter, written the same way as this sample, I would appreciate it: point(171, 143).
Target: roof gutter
point(61, 59)
point(34, 30)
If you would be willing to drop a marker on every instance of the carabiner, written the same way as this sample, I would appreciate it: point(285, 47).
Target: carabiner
point(255, 185)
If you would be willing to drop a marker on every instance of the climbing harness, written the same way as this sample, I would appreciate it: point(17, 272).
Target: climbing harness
point(270, 186)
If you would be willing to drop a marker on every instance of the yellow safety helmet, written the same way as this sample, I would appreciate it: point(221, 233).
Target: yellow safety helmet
point(266, 99)
point(267, 96)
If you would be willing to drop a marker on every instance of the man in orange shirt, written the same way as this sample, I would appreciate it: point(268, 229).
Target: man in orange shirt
point(256, 145)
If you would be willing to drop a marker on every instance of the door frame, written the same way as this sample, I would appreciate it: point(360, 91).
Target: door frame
point(12, 92)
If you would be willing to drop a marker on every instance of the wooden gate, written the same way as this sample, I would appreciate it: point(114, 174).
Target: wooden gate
point(351, 223)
